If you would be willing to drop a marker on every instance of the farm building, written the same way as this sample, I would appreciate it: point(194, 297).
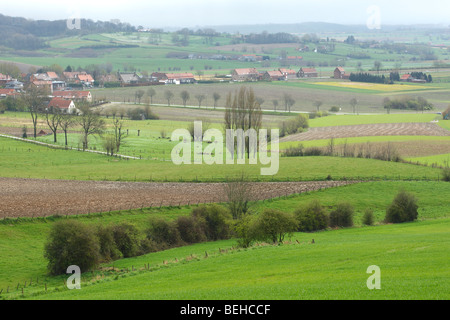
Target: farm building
point(66, 106)
point(74, 95)
point(43, 84)
point(246, 74)
point(129, 78)
point(307, 73)
point(339, 73)
point(406, 78)
point(275, 75)
point(288, 73)
point(173, 78)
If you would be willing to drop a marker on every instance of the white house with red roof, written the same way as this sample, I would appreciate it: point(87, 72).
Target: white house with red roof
point(66, 106)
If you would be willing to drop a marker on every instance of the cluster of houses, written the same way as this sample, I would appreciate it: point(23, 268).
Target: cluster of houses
point(56, 86)
point(282, 74)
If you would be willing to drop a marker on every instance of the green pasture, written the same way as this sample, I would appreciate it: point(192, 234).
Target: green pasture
point(23, 242)
point(412, 259)
point(27, 160)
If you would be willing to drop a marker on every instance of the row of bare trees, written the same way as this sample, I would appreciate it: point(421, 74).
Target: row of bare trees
point(88, 120)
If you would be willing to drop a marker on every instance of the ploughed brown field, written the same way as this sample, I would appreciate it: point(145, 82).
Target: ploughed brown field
point(40, 198)
point(367, 130)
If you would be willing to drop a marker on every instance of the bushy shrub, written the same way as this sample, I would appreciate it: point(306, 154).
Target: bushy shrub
point(273, 225)
point(214, 220)
point(446, 174)
point(295, 125)
point(312, 217)
point(190, 229)
point(163, 232)
point(313, 151)
point(127, 238)
point(368, 218)
point(342, 216)
point(108, 247)
point(245, 231)
point(71, 243)
point(402, 209)
point(294, 151)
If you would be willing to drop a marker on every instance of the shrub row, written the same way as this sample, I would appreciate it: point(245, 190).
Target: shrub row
point(71, 242)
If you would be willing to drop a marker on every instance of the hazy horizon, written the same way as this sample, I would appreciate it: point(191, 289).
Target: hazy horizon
point(201, 13)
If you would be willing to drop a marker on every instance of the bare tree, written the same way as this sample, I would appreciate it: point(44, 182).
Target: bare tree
point(151, 93)
point(67, 121)
point(91, 123)
point(318, 104)
point(377, 65)
point(243, 112)
point(169, 95)
point(216, 98)
point(238, 192)
point(275, 105)
point(138, 95)
point(118, 134)
point(353, 103)
point(53, 116)
point(185, 96)
point(34, 100)
point(288, 102)
point(200, 98)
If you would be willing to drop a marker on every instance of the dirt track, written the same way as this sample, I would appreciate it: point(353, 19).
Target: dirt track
point(366, 130)
point(38, 198)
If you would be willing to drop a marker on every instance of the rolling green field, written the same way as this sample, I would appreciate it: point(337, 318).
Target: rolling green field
point(28, 160)
point(345, 252)
point(413, 257)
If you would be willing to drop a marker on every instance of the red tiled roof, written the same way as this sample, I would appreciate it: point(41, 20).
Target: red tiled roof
point(246, 71)
point(7, 92)
point(85, 77)
point(52, 75)
point(309, 70)
point(405, 76)
point(59, 103)
point(179, 75)
point(342, 70)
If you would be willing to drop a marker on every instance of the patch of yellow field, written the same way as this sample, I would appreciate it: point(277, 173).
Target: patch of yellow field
point(375, 86)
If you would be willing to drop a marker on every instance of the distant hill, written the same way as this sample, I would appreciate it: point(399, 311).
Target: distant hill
point(314, 27)
point(23, 34)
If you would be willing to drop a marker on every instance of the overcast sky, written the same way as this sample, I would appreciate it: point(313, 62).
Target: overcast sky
point(192, 13)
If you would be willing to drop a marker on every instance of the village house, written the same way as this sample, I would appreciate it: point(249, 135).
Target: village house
point(129, 78)
point(275, 75)
point(174, 78)
point(4, 79)
point(288, 73)
point(73, 95)
point(66, 106)
point(246, 74)
point(307, 73)
point(406, 78)
point(46, 85)
point(339, 73)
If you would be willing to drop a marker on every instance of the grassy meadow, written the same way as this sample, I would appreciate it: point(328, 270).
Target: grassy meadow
point(346, 252)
